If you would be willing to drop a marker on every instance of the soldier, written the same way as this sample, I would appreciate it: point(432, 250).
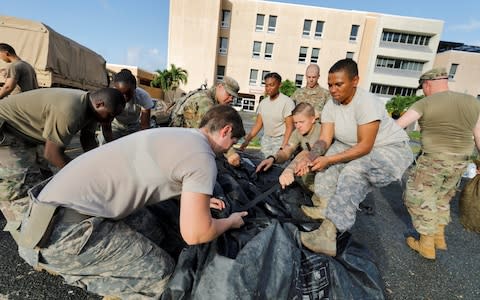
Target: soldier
point(136, 114)
point(90, 242)
point(274, 115)
point(312, 93)
point(39, 124)
point(448, 121)
point(190, 109)
point(369, 150)
point(20, 77)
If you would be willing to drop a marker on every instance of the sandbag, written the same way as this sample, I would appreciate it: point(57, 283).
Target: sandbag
point(470, 205)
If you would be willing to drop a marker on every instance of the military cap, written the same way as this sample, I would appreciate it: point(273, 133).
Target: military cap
point(433, 74)
point(230, 85)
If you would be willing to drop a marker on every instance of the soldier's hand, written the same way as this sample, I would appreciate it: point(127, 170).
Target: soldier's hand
point(286, 178)
point(237, 219)
point(234, 159)
point(264, 165)
point(217, 203)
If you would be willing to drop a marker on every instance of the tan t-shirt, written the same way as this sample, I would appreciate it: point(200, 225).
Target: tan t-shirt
point(25, 76)
point(274, 113)
point(54, 114)
point(447, 121)
point(140, 169)
point(296, 139)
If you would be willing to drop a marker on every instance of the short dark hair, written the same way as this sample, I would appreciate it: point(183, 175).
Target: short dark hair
point(126, 76)
point(348, 65)
point(221, 115)
point(112, 98)
point(304, 107)
point(7, 48)
point(274, 75)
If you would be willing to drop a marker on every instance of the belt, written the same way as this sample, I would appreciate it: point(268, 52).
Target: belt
point(455, 157)
point(70, 216)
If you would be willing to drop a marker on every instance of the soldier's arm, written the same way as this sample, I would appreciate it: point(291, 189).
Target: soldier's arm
point(476, 133)
point(55, 154)
point(8, 87)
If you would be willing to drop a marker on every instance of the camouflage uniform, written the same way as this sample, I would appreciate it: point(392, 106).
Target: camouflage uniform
point(345, 185)
point(192, 108)
point(430, 187)
point(126, 263)
point(317, 97)
point(21, 163)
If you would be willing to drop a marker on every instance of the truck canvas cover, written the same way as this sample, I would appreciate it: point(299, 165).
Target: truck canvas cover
point(58, 60)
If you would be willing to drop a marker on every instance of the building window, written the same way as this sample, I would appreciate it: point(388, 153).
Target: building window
point(220, 72)
point(272, 23)
point(256, 49)
point(298, 80)
point(405, 38)
point(319, 29)
point(264, 73)
point(268, 50)
point(223, 46)
point(354, 32)
point(453, 71)
point(307, 24)
point(314, 57)
point(302, 56)
point(400, 64)
point(253, 76)
point(225, 19)
point(260, 22)
point(390, 90)
point(349, 55)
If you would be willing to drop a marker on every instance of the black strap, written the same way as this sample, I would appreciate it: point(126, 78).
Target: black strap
point(260, 197)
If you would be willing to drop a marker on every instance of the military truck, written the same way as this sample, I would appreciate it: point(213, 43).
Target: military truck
point(58, 60)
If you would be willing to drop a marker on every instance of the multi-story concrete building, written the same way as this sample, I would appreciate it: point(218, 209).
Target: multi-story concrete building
point(463, 66)
point(245, 39)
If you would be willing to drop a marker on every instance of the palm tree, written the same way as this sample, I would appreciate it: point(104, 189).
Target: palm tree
point(178, 76)
point(170, 79)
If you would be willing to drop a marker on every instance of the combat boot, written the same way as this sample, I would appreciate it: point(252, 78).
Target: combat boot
point(322, 240)
point(320, 202)
point(440, 242)
point(314, 212)
point(425, 246)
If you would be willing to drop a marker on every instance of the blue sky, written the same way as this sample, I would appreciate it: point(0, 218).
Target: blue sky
point(136, 32)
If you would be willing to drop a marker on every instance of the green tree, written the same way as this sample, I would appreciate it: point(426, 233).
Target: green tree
point(170, 79)
point(399, 104)
point(288, 87)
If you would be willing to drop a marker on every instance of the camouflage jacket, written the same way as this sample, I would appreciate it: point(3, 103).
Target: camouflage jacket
point(317, 97)
point(190, 109)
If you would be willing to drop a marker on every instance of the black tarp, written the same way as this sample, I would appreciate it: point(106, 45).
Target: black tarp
point(264, 259)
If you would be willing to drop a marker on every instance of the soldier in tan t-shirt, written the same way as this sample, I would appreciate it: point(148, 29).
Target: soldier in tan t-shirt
point(38, 125)
point(448, 121)
point(20, 77)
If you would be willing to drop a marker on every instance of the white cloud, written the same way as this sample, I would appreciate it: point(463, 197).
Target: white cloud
point(472, 25)
point(148, 59)
point(133, 56)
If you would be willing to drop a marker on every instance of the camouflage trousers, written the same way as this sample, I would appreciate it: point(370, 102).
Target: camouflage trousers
point(430, 187)
point(345, 185)
point(21, 166)
point(105, 257)
point(270, 145)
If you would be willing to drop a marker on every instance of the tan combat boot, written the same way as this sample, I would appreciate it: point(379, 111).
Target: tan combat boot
point(320, 202)
point(323, 240)
point(425, 246)
point(440, 242)
point(314, 212)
